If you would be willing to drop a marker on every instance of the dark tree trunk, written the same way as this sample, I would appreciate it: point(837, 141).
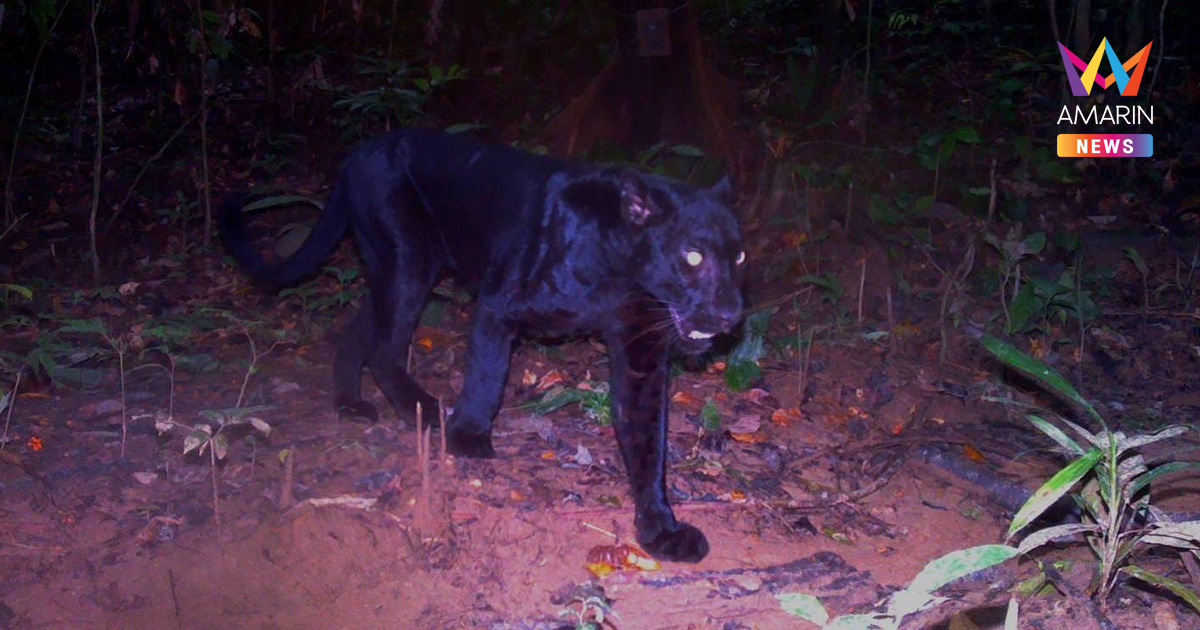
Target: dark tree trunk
point(639, 100)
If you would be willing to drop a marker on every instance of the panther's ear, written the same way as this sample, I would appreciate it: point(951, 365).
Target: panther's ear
point(637, 205)
point(723, 189)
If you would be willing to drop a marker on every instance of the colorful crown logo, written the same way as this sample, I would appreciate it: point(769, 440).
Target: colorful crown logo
point(1081, 85)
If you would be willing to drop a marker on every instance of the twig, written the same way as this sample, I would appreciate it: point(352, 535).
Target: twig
point(599, 529)
point(862, 281)
point(1154, 77)
point(12, 402)
point(805, 357)
point(286, 500)
point(891, 320)
point(12, 160)
point(174, 598)
point(867, 79)
point(442, 427)
point(98, 158)
point(849, 204)
point(207, 198)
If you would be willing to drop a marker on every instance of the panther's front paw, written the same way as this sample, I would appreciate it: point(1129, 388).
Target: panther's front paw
point(683, 543)
point(469, 444)
point(357, 410)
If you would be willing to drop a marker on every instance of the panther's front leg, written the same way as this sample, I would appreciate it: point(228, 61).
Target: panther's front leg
point(469, 429)
point(639, 400)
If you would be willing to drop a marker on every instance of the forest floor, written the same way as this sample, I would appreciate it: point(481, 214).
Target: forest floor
point(840, 472)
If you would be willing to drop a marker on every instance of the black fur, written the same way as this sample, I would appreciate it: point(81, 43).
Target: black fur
point(551, 248)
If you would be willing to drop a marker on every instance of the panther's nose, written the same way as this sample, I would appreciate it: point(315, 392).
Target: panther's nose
point(728, 312)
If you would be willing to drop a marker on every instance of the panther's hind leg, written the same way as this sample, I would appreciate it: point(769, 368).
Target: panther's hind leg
point(396, 308)
point(354, 349)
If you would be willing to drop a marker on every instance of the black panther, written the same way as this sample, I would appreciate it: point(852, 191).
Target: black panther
point(551, 248)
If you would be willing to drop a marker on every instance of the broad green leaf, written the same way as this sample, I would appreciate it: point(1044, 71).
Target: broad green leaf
point(804, 606)
point(860, 622)
point(958, 564)
point(1179, 589)
point(1022, 309)
point(1054, 433)
point(1033, 243)
point(1038, 370)
point(711, 416)
point(16, 288)
point(464, 128)
point(1137, 260)
point(687, 150)
point(281, 200)
point(1053, 490)
point(1141, 482)
point(741, 375)
point(1043, 536)
point(194, 440)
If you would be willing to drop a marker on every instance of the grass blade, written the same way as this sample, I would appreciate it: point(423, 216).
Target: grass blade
point(1178, 588)
point(1053, 490)
point(1016, 359)
point(1056, 434)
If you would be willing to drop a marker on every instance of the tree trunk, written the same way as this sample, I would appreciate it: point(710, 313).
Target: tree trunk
point(640, 99)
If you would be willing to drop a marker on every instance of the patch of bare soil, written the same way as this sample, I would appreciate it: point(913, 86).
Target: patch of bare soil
point(840, 473)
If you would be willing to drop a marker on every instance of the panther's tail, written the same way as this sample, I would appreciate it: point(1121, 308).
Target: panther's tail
point(320, 242)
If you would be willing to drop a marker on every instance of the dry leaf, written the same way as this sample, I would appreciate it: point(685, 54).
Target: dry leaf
point(552, 378)
point(604, 559)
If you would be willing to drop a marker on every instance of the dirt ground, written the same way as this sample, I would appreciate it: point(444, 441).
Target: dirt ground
point(829, 475)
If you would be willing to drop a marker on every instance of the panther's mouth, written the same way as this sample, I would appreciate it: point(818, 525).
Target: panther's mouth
point(692, 335)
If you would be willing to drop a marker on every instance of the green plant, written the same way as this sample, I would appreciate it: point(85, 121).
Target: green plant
point(181, 214)
point(313, 297)
point(398, 98)
point(594, 400)
point(741, 369)
point(1114, 499)
point(1013, 250)
point(917, 596)
point(213, 436)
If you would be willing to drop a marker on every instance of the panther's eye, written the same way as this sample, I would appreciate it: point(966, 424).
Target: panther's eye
point(741, 258)
point(693, 257)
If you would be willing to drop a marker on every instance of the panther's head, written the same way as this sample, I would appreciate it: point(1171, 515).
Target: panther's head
point(687, 254)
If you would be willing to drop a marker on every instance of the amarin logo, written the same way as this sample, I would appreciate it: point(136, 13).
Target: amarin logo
point(1093, 113)
point(1081, 85)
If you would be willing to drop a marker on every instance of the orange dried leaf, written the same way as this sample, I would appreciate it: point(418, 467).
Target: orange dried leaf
point(687, 400)
point(426, 342)
point(786, 415)
point(549, 455)
point(552, 378)
point(604, 559)
point(750, 438)
point(973, 454)
point(516, 495)
point(34, 444)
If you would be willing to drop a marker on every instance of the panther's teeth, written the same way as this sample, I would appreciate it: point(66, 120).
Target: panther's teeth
point(696, 334)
